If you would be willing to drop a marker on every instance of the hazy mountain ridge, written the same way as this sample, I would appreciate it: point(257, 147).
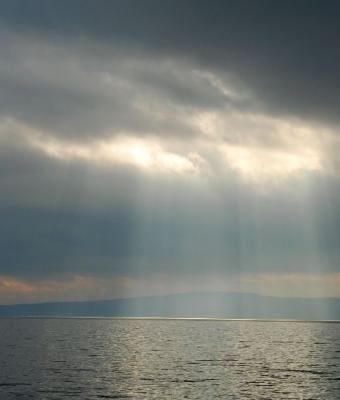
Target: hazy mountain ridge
point(222, 305)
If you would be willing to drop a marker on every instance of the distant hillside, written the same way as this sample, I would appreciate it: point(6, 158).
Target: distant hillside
point(223, 305)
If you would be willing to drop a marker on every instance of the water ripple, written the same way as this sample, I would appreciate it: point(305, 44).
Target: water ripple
point(168, 359)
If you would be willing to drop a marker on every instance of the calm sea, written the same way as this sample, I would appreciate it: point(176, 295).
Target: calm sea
point(168, 359)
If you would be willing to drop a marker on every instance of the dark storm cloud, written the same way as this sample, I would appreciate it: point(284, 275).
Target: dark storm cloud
point(286, 52)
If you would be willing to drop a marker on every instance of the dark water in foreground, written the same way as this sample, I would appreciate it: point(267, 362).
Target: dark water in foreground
point(168, 359)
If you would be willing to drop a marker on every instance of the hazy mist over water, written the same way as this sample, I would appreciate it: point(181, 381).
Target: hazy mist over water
point(168, 359)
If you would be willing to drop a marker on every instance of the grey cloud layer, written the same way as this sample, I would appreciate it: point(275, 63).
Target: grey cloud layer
point(287, 52)
point(65, 91)
point(119, 223)
point(195, 76)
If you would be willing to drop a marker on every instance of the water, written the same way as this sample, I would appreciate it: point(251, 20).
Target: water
point(168, 359)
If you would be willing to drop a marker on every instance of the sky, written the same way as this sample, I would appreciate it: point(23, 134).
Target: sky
point(152, 147)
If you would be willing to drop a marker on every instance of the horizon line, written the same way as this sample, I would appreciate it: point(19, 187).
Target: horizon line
point(172, 294)
point(158, 318)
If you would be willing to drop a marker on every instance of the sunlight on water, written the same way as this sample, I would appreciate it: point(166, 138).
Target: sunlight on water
point(164, 359)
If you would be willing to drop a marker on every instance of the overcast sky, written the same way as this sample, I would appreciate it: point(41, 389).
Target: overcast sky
point(169, 146)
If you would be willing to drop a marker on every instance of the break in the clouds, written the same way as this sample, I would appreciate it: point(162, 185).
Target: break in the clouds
point(154, 147)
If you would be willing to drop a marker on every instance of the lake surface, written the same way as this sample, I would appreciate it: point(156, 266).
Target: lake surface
point(168, 359)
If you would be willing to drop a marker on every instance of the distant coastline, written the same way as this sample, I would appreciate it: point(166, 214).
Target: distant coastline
point(192, 306)
point(203, 319)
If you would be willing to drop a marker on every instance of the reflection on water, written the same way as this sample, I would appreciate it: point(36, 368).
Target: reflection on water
point(168, 359)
